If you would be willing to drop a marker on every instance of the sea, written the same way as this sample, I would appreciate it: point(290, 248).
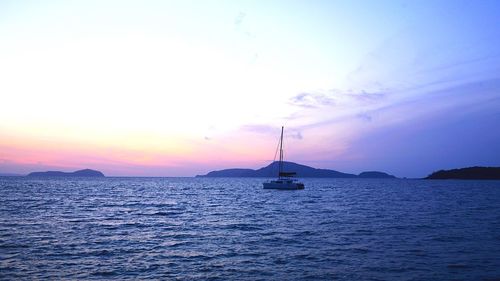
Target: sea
point(232, 229)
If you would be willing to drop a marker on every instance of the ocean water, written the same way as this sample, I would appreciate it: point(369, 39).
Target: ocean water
point(232, 229)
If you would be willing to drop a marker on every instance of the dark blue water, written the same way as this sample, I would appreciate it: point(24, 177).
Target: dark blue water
point(232, 229)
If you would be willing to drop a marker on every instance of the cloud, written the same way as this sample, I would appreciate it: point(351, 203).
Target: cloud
point(439, 133)
point(296, 135)
point(312, 100)
point(364, 116)
point(405, 78)
point(365, 97)
point(241, 27)
point(335, 97)
point(239, 19)
point(413, 59)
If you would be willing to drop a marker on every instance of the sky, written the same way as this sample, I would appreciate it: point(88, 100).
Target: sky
point(180, 88)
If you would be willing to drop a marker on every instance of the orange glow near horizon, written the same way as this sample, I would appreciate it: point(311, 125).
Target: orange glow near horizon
point(138, 151)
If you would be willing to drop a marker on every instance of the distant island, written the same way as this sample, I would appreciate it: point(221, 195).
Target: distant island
point(79, 173)
point(302, 171)
point(375, 175)
point(471, 173)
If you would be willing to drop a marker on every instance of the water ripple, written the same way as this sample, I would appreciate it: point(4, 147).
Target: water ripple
point(220, 229)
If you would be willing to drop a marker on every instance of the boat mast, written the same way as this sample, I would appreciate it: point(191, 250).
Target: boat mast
point(281, 154)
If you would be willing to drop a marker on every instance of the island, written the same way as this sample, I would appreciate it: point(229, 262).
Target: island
point(79, 173)
point(470, 173)
point(375, 175)
point(302, 171)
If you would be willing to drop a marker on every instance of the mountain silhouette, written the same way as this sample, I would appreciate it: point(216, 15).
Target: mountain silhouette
point(375, 175)
point(79, 173)
point(302, 171)
point(470, 173)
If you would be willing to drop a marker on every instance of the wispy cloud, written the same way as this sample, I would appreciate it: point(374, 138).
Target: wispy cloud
point(402, 86)
point(239, 19)
point(364, 116)
point(312, 100)
point(335, 97)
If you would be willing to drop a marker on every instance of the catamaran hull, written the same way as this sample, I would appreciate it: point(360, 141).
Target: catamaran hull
point(283, 186)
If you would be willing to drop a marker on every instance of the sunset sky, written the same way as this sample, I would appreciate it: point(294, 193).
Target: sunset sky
point(179, 88)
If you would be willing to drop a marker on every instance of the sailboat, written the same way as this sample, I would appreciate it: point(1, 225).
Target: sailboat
point(284, 180)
